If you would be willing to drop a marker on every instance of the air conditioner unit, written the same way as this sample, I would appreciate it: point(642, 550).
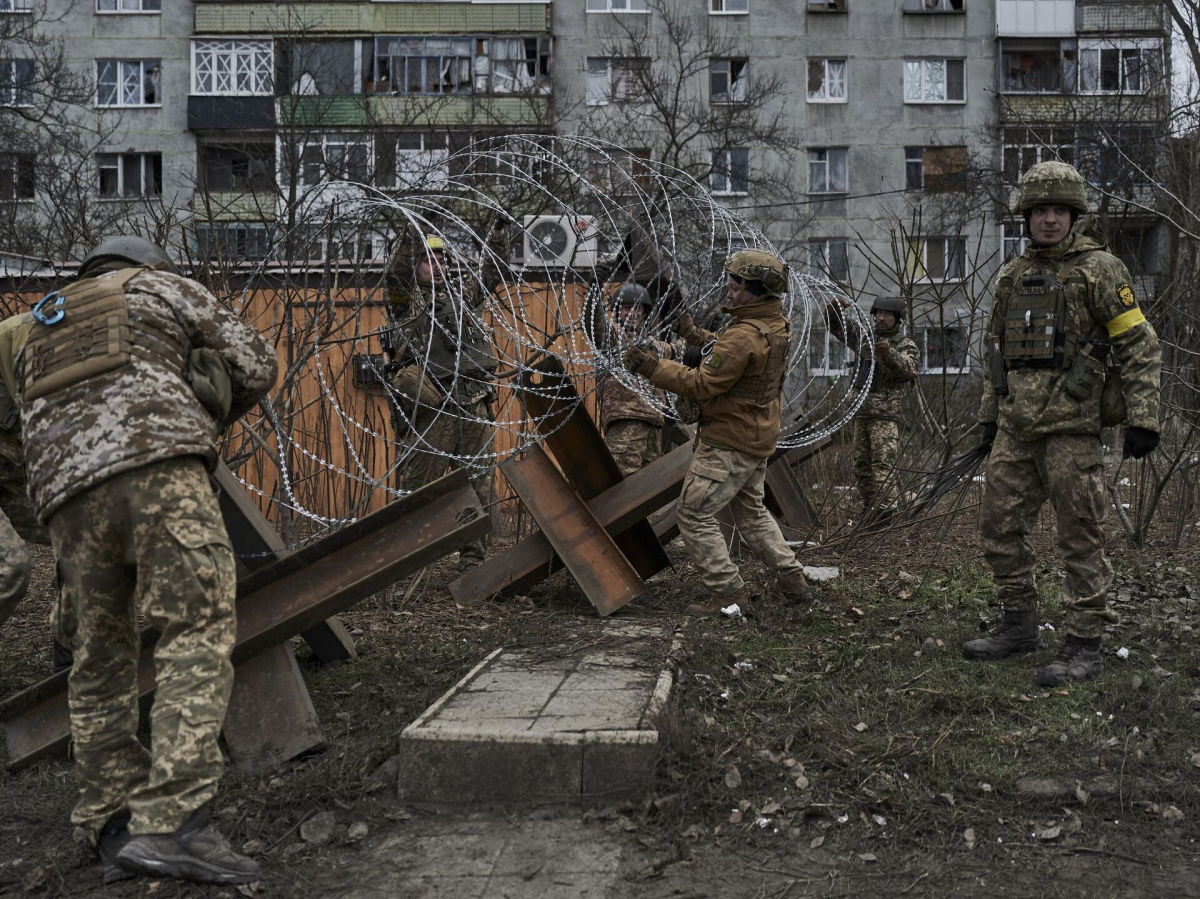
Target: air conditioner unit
point(558, 241)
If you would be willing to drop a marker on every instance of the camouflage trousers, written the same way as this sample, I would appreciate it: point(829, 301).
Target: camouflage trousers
point(634, 443)
point(14, 568)
point(721, 478)
point(876, 446)
point(424, 452)
point(1021, 476)
point(149, 539)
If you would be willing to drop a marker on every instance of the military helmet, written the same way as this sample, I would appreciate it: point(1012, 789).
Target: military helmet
point(894, 305)
point(630, 293)
point(762, 266)
point(125, 248)
point(1051, 183)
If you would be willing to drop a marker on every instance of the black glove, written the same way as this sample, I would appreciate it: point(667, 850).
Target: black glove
point(692, 357)
point(640, 361)
point(1139, 442)
point(686, 328)
point(989, 432)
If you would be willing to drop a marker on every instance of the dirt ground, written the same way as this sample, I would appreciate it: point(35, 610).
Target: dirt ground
point(839, 748)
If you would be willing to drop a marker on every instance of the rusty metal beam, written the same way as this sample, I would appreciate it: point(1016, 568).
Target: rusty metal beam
point(289, 596)
point(630, 500)
point(785, 498)
point(602, 572)
point(580, 451)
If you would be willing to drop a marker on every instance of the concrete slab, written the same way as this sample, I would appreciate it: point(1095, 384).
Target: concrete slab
point(547, 724)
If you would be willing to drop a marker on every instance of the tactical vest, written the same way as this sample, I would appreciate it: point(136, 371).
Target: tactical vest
point(766, 386)
point(94, 336)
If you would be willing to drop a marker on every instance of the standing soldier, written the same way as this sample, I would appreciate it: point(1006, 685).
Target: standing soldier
point(632, 427)
point(15, 563)
point(1063, 312)
point(877, 424)
point(127, 377)
point(444, 362)
point(738, 385)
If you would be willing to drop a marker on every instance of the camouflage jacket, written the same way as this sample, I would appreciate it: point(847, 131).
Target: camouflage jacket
point(893, 375)
point(620, 403)
point(145, 410)
point(739, 356)
point(1100, 306)
point(12, 338)
point(446, 337)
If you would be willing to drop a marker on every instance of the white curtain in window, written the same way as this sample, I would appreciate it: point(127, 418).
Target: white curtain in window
point(935, 79)
point(510, 67)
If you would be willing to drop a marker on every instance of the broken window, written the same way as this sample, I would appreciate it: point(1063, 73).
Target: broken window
point(233, 242)
point(828, 170)
point(1026, 147)
point(1118, 67)
point(129, 175)
point(128, 82)
point(410, 157)
point(16, 82)
point(423, 65)
point(935, 81)
point(730, 173)
point(16, 176)
point(936, 258)
point(729, 80)
point(827, 81)
point(828, 257)
point(615, 79)
point(1036, 67)
point(237, 166)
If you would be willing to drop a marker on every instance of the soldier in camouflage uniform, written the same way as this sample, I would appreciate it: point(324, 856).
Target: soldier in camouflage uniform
point(1063, 312)
point(632, 427)
point(738, 386)
point(441, 362)
point(877, 424)
point(118, 433)
point(15, 562)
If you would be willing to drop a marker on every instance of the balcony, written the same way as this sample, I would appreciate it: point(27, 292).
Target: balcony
point(1035, 18)
point(231, 113)
point(412, 110)
point(369, 18)
point(234, 205)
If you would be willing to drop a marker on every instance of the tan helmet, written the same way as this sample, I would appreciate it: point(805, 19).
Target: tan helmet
point(1051, 183)
point(762, 266)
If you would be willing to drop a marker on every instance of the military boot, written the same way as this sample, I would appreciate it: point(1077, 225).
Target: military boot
point(718, 601)
point(795, 587)
point(196, 852)
point(1077, 658)
point(1018, 632)
point(113, 837)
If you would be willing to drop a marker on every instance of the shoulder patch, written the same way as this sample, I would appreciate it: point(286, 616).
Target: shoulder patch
point(713, 360)
point(1125, 292)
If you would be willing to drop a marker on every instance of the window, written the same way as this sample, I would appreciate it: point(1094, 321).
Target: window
point(1036, 67)
point(16, 82)
point(827, 258)
point(826, 354)
point(337, 156)
point(128, 5)
point(232, 68)
point(728, 80)
point(233, 242)
point(827, 171)
point(617, 174)
point(730, 175)
point(1116, 156)
point(319, 67)
point(827, 81)
point(935, 81)
point(16, 5)
point(934, 168)
point(512, 65)
point(731, 7)
point(615, 79)
point(826, 5)
point(16, 176)
point(943, 350)
point(127, 82)
point(237, 167)
point(1110, 68)
point(1013, 239)
point(616, 6)
point(424, 65)
point(934, 6)
point(402, 160)
point(936, 258)
point(1024, 148)
point(129, 175)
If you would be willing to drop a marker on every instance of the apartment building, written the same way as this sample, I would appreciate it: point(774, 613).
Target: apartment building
point(876, 142)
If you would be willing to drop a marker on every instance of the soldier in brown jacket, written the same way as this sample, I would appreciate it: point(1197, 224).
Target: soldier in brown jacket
point(738, 385)
point(127, 377)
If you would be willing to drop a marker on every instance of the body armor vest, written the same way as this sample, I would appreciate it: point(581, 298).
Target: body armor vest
point(95, 335)
point(765, 387)
point(1035, 332)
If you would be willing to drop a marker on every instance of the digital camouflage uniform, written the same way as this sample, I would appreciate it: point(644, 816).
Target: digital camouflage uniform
point(738, 387)
point(116, 451)
point(1048, 444)
point(15, 563)
point(442, 391)
point(877, 423)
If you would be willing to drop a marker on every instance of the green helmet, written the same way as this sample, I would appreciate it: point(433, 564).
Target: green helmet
point(762, 266)
point(128, 249)
point(630, 293)
point(1051, 183)
point(894, 305)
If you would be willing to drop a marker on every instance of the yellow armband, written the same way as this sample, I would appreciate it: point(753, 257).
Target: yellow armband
point(1125, 321)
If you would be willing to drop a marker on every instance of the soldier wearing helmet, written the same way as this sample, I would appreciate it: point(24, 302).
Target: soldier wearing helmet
point(738, 386)
point(631, 424)
point(118, 437)
point(877, 424)
point(1064, 313)
point(440, 359)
